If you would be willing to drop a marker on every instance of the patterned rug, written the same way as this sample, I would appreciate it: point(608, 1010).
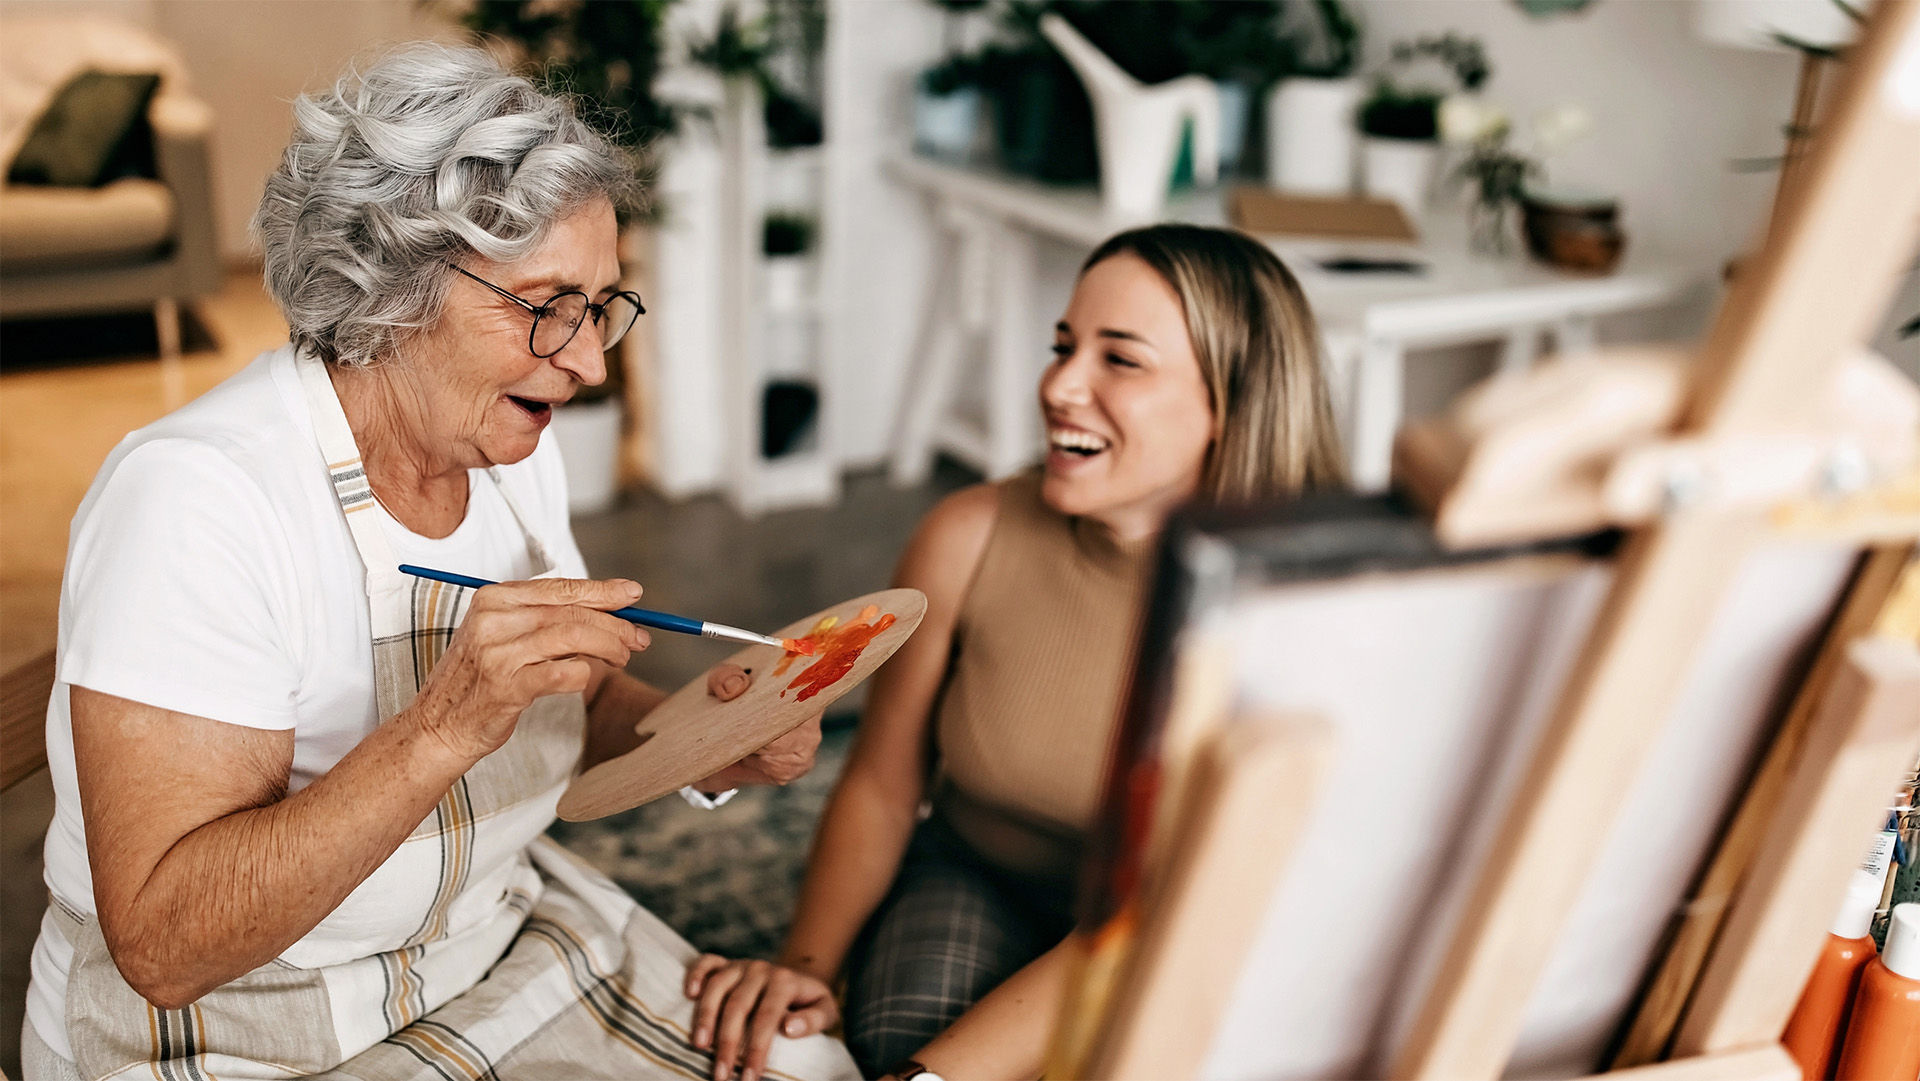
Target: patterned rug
point(726, 879)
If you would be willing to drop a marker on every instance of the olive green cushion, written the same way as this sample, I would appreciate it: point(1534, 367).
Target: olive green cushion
point(95, 130)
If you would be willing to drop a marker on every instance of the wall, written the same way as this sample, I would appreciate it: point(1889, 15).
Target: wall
point(248, 60)
point(251, 60)
point(1670, 111)
point(1671, 114)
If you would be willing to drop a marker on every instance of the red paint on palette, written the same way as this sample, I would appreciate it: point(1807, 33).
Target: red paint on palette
point(837, 646)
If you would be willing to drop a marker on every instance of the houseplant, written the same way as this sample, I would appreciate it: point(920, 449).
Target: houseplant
point(741, 49)
point(1310, 135)
point(1502, 175)
point(1399, 121)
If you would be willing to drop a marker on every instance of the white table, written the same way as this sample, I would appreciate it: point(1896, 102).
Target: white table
point(984, 275)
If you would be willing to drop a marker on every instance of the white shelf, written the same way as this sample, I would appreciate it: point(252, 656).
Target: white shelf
point(750, 357)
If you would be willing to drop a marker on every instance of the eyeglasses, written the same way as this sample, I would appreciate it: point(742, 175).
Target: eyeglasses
point(558, 320)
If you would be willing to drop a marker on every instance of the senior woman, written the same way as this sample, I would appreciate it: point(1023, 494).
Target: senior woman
point(301, 797)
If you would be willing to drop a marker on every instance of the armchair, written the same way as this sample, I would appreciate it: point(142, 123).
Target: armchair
point(132, 243)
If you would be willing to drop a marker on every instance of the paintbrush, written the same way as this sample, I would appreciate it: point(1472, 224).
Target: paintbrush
point(646, 617)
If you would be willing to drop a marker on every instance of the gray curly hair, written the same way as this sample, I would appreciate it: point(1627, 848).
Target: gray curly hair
point(428, 154)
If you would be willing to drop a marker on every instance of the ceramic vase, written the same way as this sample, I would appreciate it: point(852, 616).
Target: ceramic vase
point(1138, 128)
point(1310, 135)
point(1400, 170)
point(1490, 227)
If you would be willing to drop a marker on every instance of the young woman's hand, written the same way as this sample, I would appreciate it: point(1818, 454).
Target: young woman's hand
point(742, 1005)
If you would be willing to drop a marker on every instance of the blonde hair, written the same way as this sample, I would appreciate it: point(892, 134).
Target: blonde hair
point(1259, 352)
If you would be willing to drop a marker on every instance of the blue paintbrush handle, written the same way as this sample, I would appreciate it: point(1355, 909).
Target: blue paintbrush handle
point(646, 617)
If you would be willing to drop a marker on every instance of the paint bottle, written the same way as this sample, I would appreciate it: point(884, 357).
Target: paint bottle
point(1820, 1019)
point(1883, 1035)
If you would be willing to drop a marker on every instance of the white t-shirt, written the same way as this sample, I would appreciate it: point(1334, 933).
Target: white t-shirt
point(210, 571)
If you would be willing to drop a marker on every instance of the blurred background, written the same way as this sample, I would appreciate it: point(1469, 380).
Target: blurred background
point(819, 170)
point(863, 218)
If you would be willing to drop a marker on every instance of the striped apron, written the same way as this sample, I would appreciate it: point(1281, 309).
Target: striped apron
point(478, 949)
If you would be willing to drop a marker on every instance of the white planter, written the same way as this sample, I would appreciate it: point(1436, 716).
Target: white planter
point(588, 434)
point(944, 125)
point(787, 278)
point(1310, 135)
point(1400, 170)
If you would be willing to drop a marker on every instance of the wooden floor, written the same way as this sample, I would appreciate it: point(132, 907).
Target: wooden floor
point(62, 417)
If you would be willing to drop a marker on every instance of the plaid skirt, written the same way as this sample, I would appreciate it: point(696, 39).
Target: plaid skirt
point(953, 927)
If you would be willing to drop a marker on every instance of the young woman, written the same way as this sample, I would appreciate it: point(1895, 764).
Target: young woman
point(1186, 367)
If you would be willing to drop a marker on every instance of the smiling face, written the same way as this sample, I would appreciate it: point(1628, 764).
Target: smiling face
point(475, 393)
point(1128, 415)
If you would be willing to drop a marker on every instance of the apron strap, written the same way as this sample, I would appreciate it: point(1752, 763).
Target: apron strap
point(348, 473)
point(355, 494)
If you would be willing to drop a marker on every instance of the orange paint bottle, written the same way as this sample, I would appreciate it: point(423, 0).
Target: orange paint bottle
point(1820, 1019)
point(1883, 1036)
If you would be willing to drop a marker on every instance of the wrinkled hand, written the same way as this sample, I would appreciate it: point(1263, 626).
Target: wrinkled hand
point(783, 761)
point(742, 1005)
point(521, 641)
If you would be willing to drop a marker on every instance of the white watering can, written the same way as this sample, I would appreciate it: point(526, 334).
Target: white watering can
point(1138, 127)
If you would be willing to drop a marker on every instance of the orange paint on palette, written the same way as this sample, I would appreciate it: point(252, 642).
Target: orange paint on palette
point(838, 646)
point(804, 647)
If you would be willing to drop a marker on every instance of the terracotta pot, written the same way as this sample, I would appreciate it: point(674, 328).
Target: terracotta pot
point(1577, 234)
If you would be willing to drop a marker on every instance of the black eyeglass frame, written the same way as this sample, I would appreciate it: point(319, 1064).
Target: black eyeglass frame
point(596, 312)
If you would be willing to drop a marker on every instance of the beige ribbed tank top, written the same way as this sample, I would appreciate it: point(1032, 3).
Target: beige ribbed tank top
point(1043, 646)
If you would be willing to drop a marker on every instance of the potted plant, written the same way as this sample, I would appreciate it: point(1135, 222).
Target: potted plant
point(1400, 127)
point(1503, 177)
point(1310, 140)
point(744, 50)
point(946, 102)
point(607, 54)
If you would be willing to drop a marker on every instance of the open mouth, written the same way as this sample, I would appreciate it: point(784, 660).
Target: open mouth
point(534, 409)
point(1076, 443)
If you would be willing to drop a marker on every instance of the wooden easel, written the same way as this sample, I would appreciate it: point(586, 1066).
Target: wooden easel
point(1814, 293)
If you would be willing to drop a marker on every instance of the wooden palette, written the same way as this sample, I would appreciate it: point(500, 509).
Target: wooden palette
point(692, 735)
